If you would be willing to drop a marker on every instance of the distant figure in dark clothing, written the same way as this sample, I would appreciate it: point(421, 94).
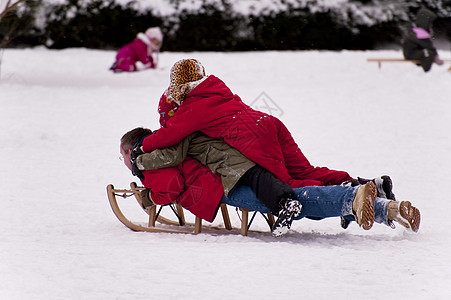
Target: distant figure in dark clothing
point(417, 45)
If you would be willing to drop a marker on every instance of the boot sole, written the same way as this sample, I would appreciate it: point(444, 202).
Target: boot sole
point(410, 215)
point(364, 212)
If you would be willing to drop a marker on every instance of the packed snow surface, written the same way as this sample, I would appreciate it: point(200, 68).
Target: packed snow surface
point(63, 113)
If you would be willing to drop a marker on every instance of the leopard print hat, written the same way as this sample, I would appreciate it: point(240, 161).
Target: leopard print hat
point(186, 74)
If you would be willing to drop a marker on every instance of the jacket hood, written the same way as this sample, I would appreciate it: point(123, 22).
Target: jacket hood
point(424, 18)
point(209, 87)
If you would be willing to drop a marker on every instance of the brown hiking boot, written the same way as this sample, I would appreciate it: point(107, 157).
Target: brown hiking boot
point(145, 200)
point(405, 214)
point(363, 205)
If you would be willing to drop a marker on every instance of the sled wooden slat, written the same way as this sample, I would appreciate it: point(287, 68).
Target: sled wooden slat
point(245, 220)
point(181, 214)
point(197, 225)
point(225, 216)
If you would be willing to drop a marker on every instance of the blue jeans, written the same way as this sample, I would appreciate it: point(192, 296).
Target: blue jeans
point(318, 202)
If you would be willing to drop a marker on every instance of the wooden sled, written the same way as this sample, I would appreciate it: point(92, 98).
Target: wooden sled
point(171, 226)
point(381, 60)
point(391, 60)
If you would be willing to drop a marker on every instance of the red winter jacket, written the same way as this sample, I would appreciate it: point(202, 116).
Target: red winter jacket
point(190, 184)
point(214, 110)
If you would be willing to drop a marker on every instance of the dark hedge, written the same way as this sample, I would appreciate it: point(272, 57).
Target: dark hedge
point(106, 25)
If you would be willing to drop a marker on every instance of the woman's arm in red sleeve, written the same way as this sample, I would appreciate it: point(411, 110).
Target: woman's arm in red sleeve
point(178, 127)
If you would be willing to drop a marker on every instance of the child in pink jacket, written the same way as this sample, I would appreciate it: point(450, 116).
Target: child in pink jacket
point(141, 49)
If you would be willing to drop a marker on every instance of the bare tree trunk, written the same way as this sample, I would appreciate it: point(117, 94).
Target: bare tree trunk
point(1, 59)
point(7, 5)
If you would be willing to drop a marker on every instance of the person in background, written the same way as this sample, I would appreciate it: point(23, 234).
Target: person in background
point(417, 44)
point(144, 49)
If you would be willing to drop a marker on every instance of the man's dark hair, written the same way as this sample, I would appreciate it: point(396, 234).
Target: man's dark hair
point(129, 139)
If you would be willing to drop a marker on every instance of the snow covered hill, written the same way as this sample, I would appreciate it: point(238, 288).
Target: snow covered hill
point(63, 112)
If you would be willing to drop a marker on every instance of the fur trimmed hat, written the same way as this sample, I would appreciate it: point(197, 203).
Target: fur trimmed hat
point(185, 75)
point(154, 33)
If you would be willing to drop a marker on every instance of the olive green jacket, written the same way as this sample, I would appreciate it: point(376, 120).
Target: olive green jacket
point(218, 156)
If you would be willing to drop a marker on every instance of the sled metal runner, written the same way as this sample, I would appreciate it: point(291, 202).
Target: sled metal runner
point(179, 226)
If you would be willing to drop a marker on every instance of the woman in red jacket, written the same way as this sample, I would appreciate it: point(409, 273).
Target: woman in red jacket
point(196, 102)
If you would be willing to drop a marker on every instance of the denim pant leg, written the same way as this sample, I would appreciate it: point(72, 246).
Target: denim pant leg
point(320, 202)
point(317, 202)
point(381, 210)
point(243, 196)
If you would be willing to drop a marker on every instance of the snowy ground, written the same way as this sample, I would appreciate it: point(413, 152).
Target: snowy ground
point(63, 112)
